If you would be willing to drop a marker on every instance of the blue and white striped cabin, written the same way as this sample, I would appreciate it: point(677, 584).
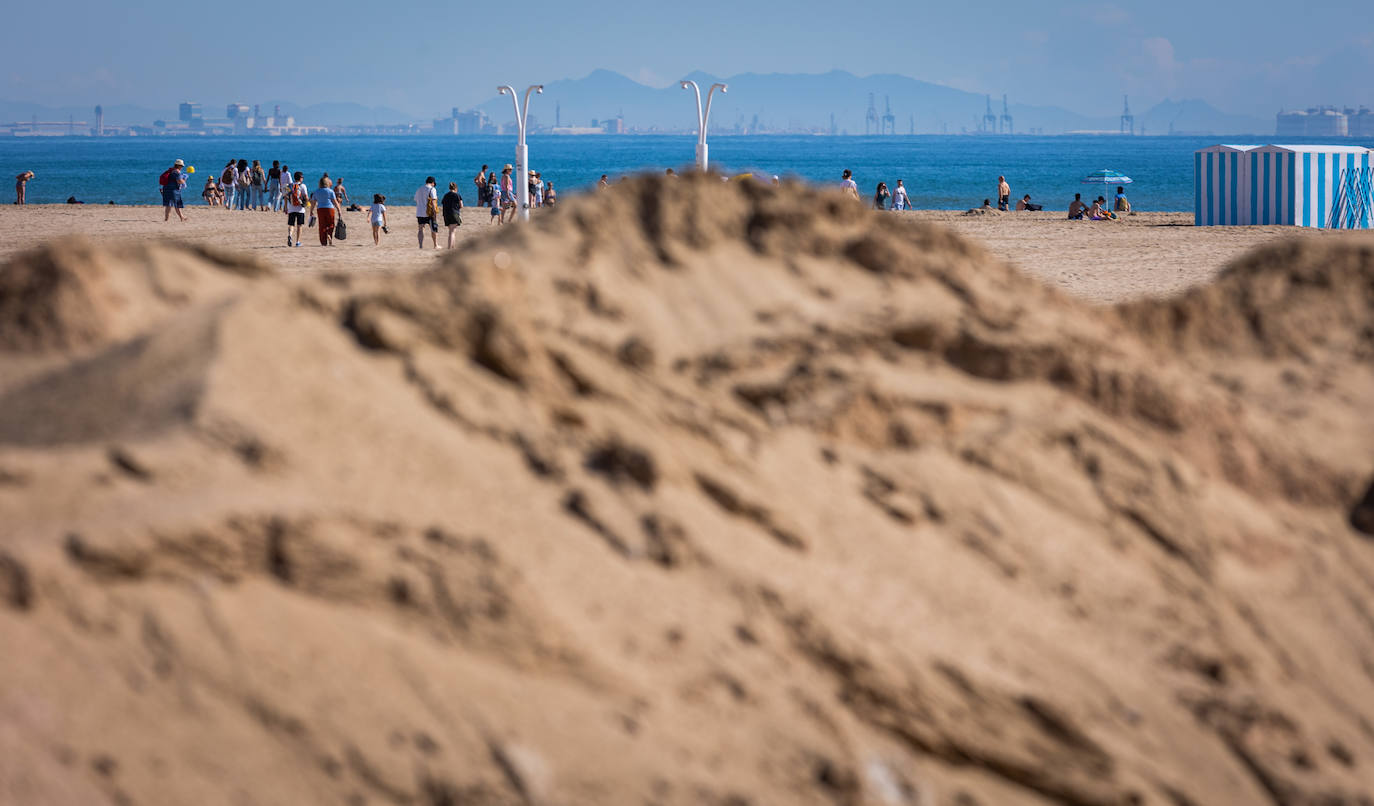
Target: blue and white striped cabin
point(1328, 187)
point(1221, 179)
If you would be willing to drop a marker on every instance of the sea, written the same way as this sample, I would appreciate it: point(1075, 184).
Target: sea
point(940, 172)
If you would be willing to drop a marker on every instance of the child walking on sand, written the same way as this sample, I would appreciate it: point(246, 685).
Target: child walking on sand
point(378, 216)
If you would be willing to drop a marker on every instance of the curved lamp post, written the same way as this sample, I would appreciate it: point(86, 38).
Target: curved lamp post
point(522, 151)
point(703, 116)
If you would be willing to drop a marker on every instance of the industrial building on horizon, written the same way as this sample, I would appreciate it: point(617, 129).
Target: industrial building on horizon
point(1325, 121)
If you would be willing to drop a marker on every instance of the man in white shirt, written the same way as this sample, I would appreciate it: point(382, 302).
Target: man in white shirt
point(425, 212)
point(296, 197)
point(899, 197)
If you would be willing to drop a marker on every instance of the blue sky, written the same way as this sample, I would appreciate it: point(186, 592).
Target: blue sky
point(423, 57)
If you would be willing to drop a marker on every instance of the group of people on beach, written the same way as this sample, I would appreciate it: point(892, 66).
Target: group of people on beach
point(241, 186)
point(897, 199)
point(499, 194)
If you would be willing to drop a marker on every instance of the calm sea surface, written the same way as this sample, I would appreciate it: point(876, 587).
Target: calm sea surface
point(940, 172)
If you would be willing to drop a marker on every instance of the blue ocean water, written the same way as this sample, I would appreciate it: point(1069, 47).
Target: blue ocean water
point(940, 172)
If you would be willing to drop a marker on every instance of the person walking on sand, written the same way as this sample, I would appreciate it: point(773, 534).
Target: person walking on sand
point(453, 215)
point(427, 212)
point(550, 195)
point(848, 186)
point(899, 197)
point(257, 179)
point(228, 181)
point(340, 193)
point(242, 185)
point(325, 209)
point(880, 197)
point(1003, 193)
point(173, 180)
point(274, 186)
point(20, 186)
point(296, 199)
point(377, 215)
point(507, 193)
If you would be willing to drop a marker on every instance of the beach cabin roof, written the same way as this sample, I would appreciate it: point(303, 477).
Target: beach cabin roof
point(1227, 148)
point(1317, 149)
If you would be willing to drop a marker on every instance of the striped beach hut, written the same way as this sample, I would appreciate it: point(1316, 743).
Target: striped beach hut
point(1329, 187)
point(1221, 181)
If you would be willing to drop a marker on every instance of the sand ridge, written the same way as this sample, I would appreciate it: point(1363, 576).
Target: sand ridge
point(688, 493)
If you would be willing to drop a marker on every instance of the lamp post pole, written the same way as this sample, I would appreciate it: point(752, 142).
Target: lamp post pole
point(522, 151)
point(703, 117)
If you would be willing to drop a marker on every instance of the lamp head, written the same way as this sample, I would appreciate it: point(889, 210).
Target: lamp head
point(721, 87)
point(503, 90)
point(539, 88)
point(686, 84)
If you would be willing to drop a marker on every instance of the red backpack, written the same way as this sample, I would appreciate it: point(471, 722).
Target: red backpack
point(297, 195)
point(166, 175)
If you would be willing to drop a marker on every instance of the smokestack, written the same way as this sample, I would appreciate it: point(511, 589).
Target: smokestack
point(100, 121)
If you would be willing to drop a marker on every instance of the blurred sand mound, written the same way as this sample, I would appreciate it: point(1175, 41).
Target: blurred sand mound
point(687, 493)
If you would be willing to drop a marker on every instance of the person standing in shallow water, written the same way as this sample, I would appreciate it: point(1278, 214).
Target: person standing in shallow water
point(848, 186)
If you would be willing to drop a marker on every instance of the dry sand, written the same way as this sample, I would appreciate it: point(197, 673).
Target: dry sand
point(687, 494)
point(1144, 254)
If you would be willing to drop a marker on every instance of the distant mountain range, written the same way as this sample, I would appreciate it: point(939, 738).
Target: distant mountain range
point(756, 102)
point(799, 102)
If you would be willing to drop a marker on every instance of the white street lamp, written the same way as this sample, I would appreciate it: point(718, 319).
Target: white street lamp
point(522, 152)
point(703, 117)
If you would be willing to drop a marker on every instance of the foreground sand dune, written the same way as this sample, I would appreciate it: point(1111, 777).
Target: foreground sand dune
point(685, 494)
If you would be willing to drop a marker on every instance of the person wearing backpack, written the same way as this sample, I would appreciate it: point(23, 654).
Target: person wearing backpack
point(243, 185)
point(258, 181)
point(228, 179)
point(172, 181)
point(295, 208)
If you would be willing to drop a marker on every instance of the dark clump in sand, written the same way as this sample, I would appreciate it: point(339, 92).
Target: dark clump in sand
point(686, 493)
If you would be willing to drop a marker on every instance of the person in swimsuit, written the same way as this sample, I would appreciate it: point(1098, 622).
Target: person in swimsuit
point(20, 182)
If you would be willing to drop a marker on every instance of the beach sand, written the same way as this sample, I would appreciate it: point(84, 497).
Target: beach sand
point(690, 494)
point(1147, 254)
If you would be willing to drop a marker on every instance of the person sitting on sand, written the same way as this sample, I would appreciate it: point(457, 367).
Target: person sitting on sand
point(987, 204)
point(20, 183)
point(603, 183)
point(1121, 205)
point(1099, 211)
point(1077, 207)
point(1023, 203)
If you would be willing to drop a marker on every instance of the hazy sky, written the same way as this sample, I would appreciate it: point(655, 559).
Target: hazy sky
point(423, 57)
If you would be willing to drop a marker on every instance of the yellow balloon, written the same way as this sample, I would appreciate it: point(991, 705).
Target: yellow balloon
point(191, 169)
